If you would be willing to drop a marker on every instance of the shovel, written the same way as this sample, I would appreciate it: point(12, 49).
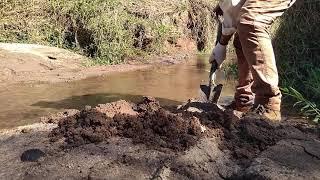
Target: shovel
point(212, 91)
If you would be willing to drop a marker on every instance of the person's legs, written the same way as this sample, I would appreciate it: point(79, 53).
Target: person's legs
point(244, 97)
point(256, 16)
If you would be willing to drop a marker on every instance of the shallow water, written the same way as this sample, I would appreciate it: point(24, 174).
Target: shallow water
point(171, 84)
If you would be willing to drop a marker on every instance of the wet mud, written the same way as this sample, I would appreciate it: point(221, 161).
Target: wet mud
point(145, 122)
point(197, 140)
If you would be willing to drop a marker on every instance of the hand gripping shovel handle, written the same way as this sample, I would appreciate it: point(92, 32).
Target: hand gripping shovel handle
point(214, 97)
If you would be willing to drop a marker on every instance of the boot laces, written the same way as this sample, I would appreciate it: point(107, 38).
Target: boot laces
point(260, 109)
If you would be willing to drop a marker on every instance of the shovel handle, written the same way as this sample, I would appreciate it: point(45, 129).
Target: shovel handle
point(214, 64)
point(213, 69)
point(219, 32)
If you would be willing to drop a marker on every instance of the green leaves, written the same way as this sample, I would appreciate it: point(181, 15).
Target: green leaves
point(306, 107)
point(296, 46)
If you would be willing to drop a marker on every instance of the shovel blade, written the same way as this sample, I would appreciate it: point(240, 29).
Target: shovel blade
point(205, 91)
point(210, 94)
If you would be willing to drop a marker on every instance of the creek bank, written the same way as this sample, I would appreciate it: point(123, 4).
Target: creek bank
point(29, 63)
point(122, 140)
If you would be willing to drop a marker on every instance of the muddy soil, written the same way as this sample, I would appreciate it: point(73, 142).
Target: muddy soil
point(145, 123)
point(123, 140)
point(29, 63)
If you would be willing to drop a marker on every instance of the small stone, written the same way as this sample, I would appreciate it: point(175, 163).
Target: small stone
point(25, 131)
point(52, 58)
point(194, 110)
point(179, 107)
point(203, 128)
point(32, 155)
point(87, 108)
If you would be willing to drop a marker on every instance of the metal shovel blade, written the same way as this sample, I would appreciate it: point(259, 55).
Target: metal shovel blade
point(205, 91)
point(211, 94)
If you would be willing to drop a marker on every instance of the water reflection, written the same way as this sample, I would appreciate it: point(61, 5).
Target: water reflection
point(78, 102)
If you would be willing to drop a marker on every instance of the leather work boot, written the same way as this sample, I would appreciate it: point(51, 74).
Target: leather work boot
point(265, 113)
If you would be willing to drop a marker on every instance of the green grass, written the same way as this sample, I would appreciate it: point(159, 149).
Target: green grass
point(306, 107)
point(109, 31)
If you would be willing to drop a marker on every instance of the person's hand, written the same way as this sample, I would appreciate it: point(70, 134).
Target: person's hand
point(218, 54)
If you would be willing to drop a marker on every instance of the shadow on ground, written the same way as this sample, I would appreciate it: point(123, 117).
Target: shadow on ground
point(79, 102)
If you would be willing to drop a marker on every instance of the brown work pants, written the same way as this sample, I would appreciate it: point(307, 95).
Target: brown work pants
point(258, 75)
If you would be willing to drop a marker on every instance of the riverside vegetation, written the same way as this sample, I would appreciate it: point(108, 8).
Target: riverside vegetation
point(108, 31)
point(297, 47)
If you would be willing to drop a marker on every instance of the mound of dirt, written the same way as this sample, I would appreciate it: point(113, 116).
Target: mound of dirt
point(145, 122)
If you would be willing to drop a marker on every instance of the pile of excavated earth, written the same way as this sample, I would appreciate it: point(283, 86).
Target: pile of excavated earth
point(123, 140)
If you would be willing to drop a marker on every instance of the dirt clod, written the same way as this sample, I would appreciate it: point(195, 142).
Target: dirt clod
point(55, 118)
point(111, 109)
point(148, 104)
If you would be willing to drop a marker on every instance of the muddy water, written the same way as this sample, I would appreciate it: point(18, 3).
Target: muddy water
point(173, 84)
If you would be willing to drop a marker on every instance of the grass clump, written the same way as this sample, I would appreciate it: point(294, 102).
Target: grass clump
point(28, 22)
point(308, 108)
